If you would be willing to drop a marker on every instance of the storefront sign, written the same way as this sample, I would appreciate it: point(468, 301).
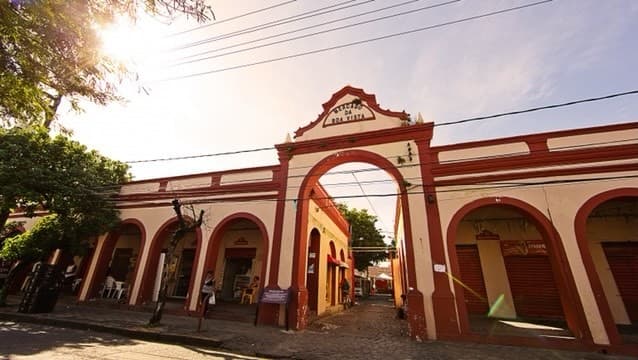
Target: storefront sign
point(241, 241)
point(348, 112)
point(275, 296)
point(523, 247)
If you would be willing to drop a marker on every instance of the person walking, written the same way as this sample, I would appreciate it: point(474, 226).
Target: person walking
point(345, 292)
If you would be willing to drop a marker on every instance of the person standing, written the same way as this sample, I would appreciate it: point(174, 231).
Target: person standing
point(345, 292)
point(208, 290)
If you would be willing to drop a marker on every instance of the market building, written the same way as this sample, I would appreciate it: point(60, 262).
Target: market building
point(541, 226)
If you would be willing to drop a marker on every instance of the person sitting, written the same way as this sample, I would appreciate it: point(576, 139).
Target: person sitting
point(248, 295)
point(255, 283)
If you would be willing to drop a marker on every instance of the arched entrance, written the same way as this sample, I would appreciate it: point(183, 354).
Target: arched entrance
point(238, 253)
point(179, 270)
point(514, 262)
point(299, 275)
point(605, 229)
point(119, 257)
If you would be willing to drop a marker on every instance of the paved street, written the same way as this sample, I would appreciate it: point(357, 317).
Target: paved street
point(30, 341)
point(367, 331)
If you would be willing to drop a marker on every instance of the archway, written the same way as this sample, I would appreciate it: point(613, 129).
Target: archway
point(531, 243)
point(605, 230)
point(179, 270)
point(301, 227)
point(119, 256)
point(238, 252)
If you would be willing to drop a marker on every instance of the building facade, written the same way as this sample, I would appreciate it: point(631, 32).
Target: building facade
point(538, 226)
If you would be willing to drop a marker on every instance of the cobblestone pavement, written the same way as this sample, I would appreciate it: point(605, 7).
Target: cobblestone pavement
point(367, 331)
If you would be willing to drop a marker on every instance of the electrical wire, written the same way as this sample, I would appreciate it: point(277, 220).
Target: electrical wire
point(231, 18)
point(462, 121)
point(590, 145)
point(408, 12)
point(271, 24)
point(360, 42)
point(407, 193)
point(298, 30)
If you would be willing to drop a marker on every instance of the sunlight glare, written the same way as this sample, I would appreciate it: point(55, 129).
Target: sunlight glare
point(126, 41)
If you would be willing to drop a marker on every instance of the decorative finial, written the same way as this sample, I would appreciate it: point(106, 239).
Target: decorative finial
point(419, 119)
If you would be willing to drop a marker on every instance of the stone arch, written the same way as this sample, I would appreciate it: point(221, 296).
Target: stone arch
point(150, 268)
point(301, 223)
point(572, 306)
point(214, 243)
point(103, 258)
point(580, 227)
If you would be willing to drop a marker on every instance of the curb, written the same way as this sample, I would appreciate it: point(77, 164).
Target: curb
point(166, 338)
point(169, 338)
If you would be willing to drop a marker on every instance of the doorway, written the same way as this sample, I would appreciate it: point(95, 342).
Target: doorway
point(235, 277)
point(184, 273)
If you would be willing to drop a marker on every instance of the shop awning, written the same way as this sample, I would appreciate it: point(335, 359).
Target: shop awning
point(384, 276)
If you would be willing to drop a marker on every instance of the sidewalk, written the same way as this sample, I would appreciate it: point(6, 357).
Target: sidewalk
point(367, 331)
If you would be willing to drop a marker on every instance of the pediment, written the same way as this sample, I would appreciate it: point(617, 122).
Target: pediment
point(349, 111)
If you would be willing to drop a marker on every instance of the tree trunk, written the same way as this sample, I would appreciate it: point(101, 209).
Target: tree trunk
point(50, 115)
point(4, 216)
point(4, 291)
point(182, 229)
point(156, 318)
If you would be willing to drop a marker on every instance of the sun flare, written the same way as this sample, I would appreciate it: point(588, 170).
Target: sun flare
point(125, 41)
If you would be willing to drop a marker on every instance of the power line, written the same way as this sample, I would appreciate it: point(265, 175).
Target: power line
point(369, 202)
point(375, 168)
point(539, 108)
point(311, 34)
point(360, 42)
point(232, 18)
point(271, 24)
point(462, 121)
point(201, 155)
point(409, 192)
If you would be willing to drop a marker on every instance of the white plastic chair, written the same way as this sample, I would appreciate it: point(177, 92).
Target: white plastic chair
point(120, 289)
point(109, 285)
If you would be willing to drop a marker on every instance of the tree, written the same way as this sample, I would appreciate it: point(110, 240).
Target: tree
point(49, 49)
point(184, 226)
point(40, 174)
point(364, 235)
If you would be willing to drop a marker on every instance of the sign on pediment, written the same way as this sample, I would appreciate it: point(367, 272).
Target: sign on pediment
point(348, 112)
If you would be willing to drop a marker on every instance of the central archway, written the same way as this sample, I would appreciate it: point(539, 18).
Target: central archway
point(300, 292)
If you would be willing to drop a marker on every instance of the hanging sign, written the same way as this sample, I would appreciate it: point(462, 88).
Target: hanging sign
point(523, 247)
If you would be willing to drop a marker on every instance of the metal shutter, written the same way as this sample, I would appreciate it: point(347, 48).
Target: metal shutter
point(472, 277)
point(623, 262)
point(533, 287)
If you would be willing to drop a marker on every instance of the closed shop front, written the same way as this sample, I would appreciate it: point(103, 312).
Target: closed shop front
point(472, 279)
point(623, 262)
point(531, 280)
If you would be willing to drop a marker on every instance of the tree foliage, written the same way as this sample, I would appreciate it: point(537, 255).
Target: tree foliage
point(49, 49)
point(61, 177)
point(364, 234)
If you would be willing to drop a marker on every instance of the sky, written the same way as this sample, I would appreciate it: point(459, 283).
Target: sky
point(549, 53)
